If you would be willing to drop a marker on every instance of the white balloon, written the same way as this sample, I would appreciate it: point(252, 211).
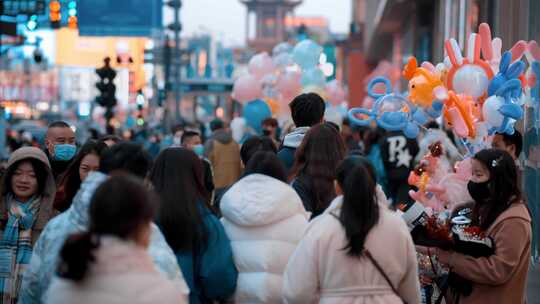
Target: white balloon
point(490, 111)
point(470, 80)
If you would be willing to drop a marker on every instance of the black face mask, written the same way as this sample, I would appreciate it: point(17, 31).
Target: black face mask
point(479, 191)
point(266, 132)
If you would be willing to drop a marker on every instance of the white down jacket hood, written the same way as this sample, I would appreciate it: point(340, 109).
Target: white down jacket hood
point(264, 218)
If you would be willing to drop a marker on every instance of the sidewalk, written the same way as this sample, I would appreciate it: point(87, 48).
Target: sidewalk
point(533, 285)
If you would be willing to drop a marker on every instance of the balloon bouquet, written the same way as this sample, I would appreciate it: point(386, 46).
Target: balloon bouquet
point(478, 93)
point(273, 81)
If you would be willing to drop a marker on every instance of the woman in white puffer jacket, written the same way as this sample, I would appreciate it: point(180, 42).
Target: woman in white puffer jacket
point(265, 219)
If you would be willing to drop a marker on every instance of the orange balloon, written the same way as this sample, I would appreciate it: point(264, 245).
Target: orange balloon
point(273, 104)
point(460, 113)
point(422, 82)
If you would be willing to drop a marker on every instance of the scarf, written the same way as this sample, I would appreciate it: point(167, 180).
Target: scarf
point(16, 246)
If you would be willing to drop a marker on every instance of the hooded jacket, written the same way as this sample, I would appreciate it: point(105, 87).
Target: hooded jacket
point(46, 210)
point(265, 219)
point(224, 155)
point(123, 273)
point(290, 143)
point(320, 271)
point(44, 260)
point(501, 277)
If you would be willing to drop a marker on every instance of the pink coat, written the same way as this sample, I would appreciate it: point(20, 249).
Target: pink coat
point(320, 271)
point(123, 273)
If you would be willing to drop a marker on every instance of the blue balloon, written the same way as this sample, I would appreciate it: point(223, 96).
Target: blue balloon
point(306, 54)
point(255, 112)
point(313, 77)
point(388, 111)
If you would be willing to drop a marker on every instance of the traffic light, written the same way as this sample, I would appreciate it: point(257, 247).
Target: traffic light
point(106, 86)
point(55, 17)
point(72, 12)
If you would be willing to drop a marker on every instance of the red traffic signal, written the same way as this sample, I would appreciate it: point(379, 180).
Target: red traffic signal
point(55, 16)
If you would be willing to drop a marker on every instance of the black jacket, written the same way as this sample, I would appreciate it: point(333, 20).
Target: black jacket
point(398, 153)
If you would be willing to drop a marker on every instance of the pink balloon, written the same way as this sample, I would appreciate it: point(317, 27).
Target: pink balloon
point(261, 65)
point(288, 84)
point(335, 92)
point(247, 88)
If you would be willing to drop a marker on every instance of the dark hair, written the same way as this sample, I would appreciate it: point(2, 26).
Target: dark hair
point(307, 109)
point(216, 124)
point(125, 156)
point(503, 186)
point(333, 124)
point(317, 157)
point(432, 125)
point(189, 134)
point(360, 211)
point(255, 144)
point(40, 171)
point(59, 124)
point(372, 136)
point(70, 181)
point(272, 122)
point(177, 177)
point(515, 139)
point(351, 162)
point(120, 207)
point(114, 138)
point(267, 163)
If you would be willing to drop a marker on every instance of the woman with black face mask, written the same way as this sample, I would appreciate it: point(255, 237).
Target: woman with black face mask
point(502, 215)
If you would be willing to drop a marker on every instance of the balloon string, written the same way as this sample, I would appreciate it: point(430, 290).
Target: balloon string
point(468, 147)
point(423, 128)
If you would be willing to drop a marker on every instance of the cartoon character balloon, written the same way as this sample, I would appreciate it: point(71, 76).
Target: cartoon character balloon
point(425, 87)
point(392, 112)
point(500, 110)
point(469, 75)
point(460, 114)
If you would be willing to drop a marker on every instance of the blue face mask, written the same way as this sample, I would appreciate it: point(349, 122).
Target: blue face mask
point(198, 149)
point(64, 152)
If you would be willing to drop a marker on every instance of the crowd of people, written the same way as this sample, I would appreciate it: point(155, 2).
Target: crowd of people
point(307, 218)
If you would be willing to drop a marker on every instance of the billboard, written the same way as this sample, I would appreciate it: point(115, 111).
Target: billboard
point(119, 17)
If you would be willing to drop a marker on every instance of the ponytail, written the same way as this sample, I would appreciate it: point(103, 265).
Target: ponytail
point(360, 211)
point(76, 256)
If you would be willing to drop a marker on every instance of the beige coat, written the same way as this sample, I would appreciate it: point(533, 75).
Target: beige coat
point(46, 211)
point(502, 277)
point(320, 271)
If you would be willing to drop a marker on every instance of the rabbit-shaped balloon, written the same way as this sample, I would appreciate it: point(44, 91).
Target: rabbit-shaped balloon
point(500, 110)
point(506, 72)
point(491, 49)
